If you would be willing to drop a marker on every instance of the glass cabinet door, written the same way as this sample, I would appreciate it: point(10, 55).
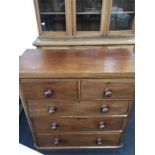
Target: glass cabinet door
point(52, 15)
point(88, 15)
point(122, 15)
point(85, 17)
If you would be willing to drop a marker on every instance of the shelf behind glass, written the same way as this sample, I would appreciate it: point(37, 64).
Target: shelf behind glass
point(121, 21)
point(88, 5)
point(123, 5)
point(53, 22)
point(88, 22)
point(52, 13)
point(52, 5)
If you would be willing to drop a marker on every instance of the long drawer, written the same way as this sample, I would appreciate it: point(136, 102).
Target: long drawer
point(52, 125)
point(52, 89)
point(89, 139)
point(107, 89)
point(39, 108)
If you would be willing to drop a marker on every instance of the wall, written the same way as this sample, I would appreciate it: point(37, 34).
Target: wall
point(18, 17)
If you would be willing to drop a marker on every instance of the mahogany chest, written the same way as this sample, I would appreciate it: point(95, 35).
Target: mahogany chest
point(77, 98)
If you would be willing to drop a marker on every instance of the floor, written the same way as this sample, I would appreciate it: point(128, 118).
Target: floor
point(128, 148)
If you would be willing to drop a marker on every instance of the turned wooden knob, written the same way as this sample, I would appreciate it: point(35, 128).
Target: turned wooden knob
point(104, 108)
point(56, 141)
point(107, 92)
point(48, 93)
point(54, 126)
point(101, 125)
point(99, 141)
point(52, 110)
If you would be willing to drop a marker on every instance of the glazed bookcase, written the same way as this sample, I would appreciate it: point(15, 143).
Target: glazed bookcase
point(85, 17)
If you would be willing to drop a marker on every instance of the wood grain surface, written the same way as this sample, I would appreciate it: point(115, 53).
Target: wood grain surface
point(76, 63)
point(42, 41)
point(89, 139)
point(55, 125)
point(61, 89)
point(95, 89)
point(38, 108)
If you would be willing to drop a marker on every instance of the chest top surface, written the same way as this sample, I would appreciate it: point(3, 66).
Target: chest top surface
point(77, 63)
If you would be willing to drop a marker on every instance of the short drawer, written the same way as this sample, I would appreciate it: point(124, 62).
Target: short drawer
point(52, 108)
point(87, 139)
point(107, 89)
point(53, 89)
point(52, 125)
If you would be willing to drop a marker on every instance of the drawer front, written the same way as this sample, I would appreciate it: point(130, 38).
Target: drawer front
point(98, 89)
point(50, 108)
point(47, 125)
point(53, 89)
point(59, 140)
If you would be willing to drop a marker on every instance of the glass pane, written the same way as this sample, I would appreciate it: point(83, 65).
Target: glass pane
point(88, 22)
point(52, 6)
point(121, 21)
point(122, 14)
point(123, 5)
point(88, 15)
point(52, 14)
point(88, 5)
point(53, 22)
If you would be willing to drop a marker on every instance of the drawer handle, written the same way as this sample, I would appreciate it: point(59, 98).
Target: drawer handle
point(99, 141)
point(101, 125)
point(56, 141)
point(107, 92)
point(54, 126)
point(52, 110)
point(48, 93)
point(104, 108)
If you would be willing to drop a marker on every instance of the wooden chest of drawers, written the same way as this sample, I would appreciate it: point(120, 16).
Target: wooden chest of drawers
point(77, 98)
